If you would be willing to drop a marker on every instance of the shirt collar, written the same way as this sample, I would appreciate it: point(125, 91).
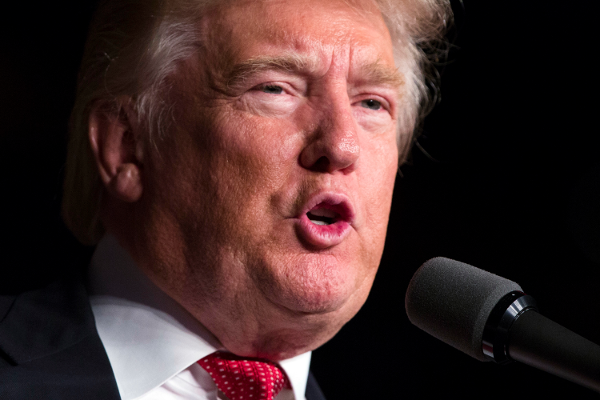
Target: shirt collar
point(148, 336)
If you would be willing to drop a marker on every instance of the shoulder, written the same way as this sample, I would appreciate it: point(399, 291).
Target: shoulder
point(49, 346)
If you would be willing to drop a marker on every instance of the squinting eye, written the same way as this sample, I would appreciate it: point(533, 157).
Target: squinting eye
point(272, 89)
point(371, 104)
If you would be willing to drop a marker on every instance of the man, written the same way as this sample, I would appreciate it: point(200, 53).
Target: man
point(234, 161)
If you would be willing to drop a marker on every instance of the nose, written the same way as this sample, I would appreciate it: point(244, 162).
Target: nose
point(333, 145)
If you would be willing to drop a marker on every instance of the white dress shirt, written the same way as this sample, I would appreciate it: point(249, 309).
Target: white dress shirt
point(153, 344)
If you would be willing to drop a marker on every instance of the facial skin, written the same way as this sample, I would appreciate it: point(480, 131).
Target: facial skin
point(289, 107)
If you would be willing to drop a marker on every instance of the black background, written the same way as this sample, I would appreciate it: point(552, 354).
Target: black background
point(513, 188)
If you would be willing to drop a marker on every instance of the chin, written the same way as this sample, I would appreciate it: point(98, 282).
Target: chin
point(316, 299)
point(320, 286)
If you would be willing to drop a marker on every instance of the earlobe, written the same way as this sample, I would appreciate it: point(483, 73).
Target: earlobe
point(116, 145)
point(126, 184)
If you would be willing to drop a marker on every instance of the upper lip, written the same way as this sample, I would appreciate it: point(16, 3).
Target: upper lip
point(336, 202)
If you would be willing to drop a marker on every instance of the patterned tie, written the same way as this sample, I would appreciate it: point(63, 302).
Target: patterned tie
point(244, 379)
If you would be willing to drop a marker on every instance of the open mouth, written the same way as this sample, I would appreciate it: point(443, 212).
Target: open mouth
point(326, 220)
point(325, 213)
point(322, 216)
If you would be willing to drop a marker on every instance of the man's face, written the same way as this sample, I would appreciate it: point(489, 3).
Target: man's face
point(269, 199)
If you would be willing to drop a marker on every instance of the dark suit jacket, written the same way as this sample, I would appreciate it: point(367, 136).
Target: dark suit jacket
point(50, 348)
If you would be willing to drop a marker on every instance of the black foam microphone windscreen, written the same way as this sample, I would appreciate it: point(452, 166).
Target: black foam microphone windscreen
point(452, 301)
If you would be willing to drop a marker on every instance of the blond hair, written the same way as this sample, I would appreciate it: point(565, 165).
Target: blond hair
point(133, 46)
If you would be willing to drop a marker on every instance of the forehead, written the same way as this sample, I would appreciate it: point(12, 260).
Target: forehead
point(316, 30)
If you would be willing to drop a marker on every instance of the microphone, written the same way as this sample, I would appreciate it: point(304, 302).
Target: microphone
point(490, 318)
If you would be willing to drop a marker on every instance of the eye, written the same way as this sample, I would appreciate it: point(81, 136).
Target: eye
point(371, 104)
point(272, 89)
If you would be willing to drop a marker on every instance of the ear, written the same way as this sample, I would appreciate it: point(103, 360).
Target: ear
point(116, 144)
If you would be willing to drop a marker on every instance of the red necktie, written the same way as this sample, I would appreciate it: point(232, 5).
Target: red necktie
point(244, 379)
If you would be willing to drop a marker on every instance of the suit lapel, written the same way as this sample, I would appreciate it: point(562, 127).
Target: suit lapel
point(313, 391)
point(50, 349)
point(50, 346)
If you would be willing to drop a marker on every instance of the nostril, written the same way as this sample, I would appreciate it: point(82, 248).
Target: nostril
point(321, 165)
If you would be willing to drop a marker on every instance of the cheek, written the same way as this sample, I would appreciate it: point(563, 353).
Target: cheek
point(245, 162)
point(382, 158)
point(379, 170)
point(253, 152)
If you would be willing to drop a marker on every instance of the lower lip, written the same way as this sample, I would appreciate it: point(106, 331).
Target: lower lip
point(322, 236)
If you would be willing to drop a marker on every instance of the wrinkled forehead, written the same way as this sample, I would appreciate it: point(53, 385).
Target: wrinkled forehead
point(314, 30)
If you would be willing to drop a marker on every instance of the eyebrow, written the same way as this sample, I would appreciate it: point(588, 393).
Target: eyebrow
point(373, 73)
point(379, 74)
point(287, 63)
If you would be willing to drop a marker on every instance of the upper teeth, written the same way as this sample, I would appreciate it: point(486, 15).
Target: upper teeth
point(323, 212)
